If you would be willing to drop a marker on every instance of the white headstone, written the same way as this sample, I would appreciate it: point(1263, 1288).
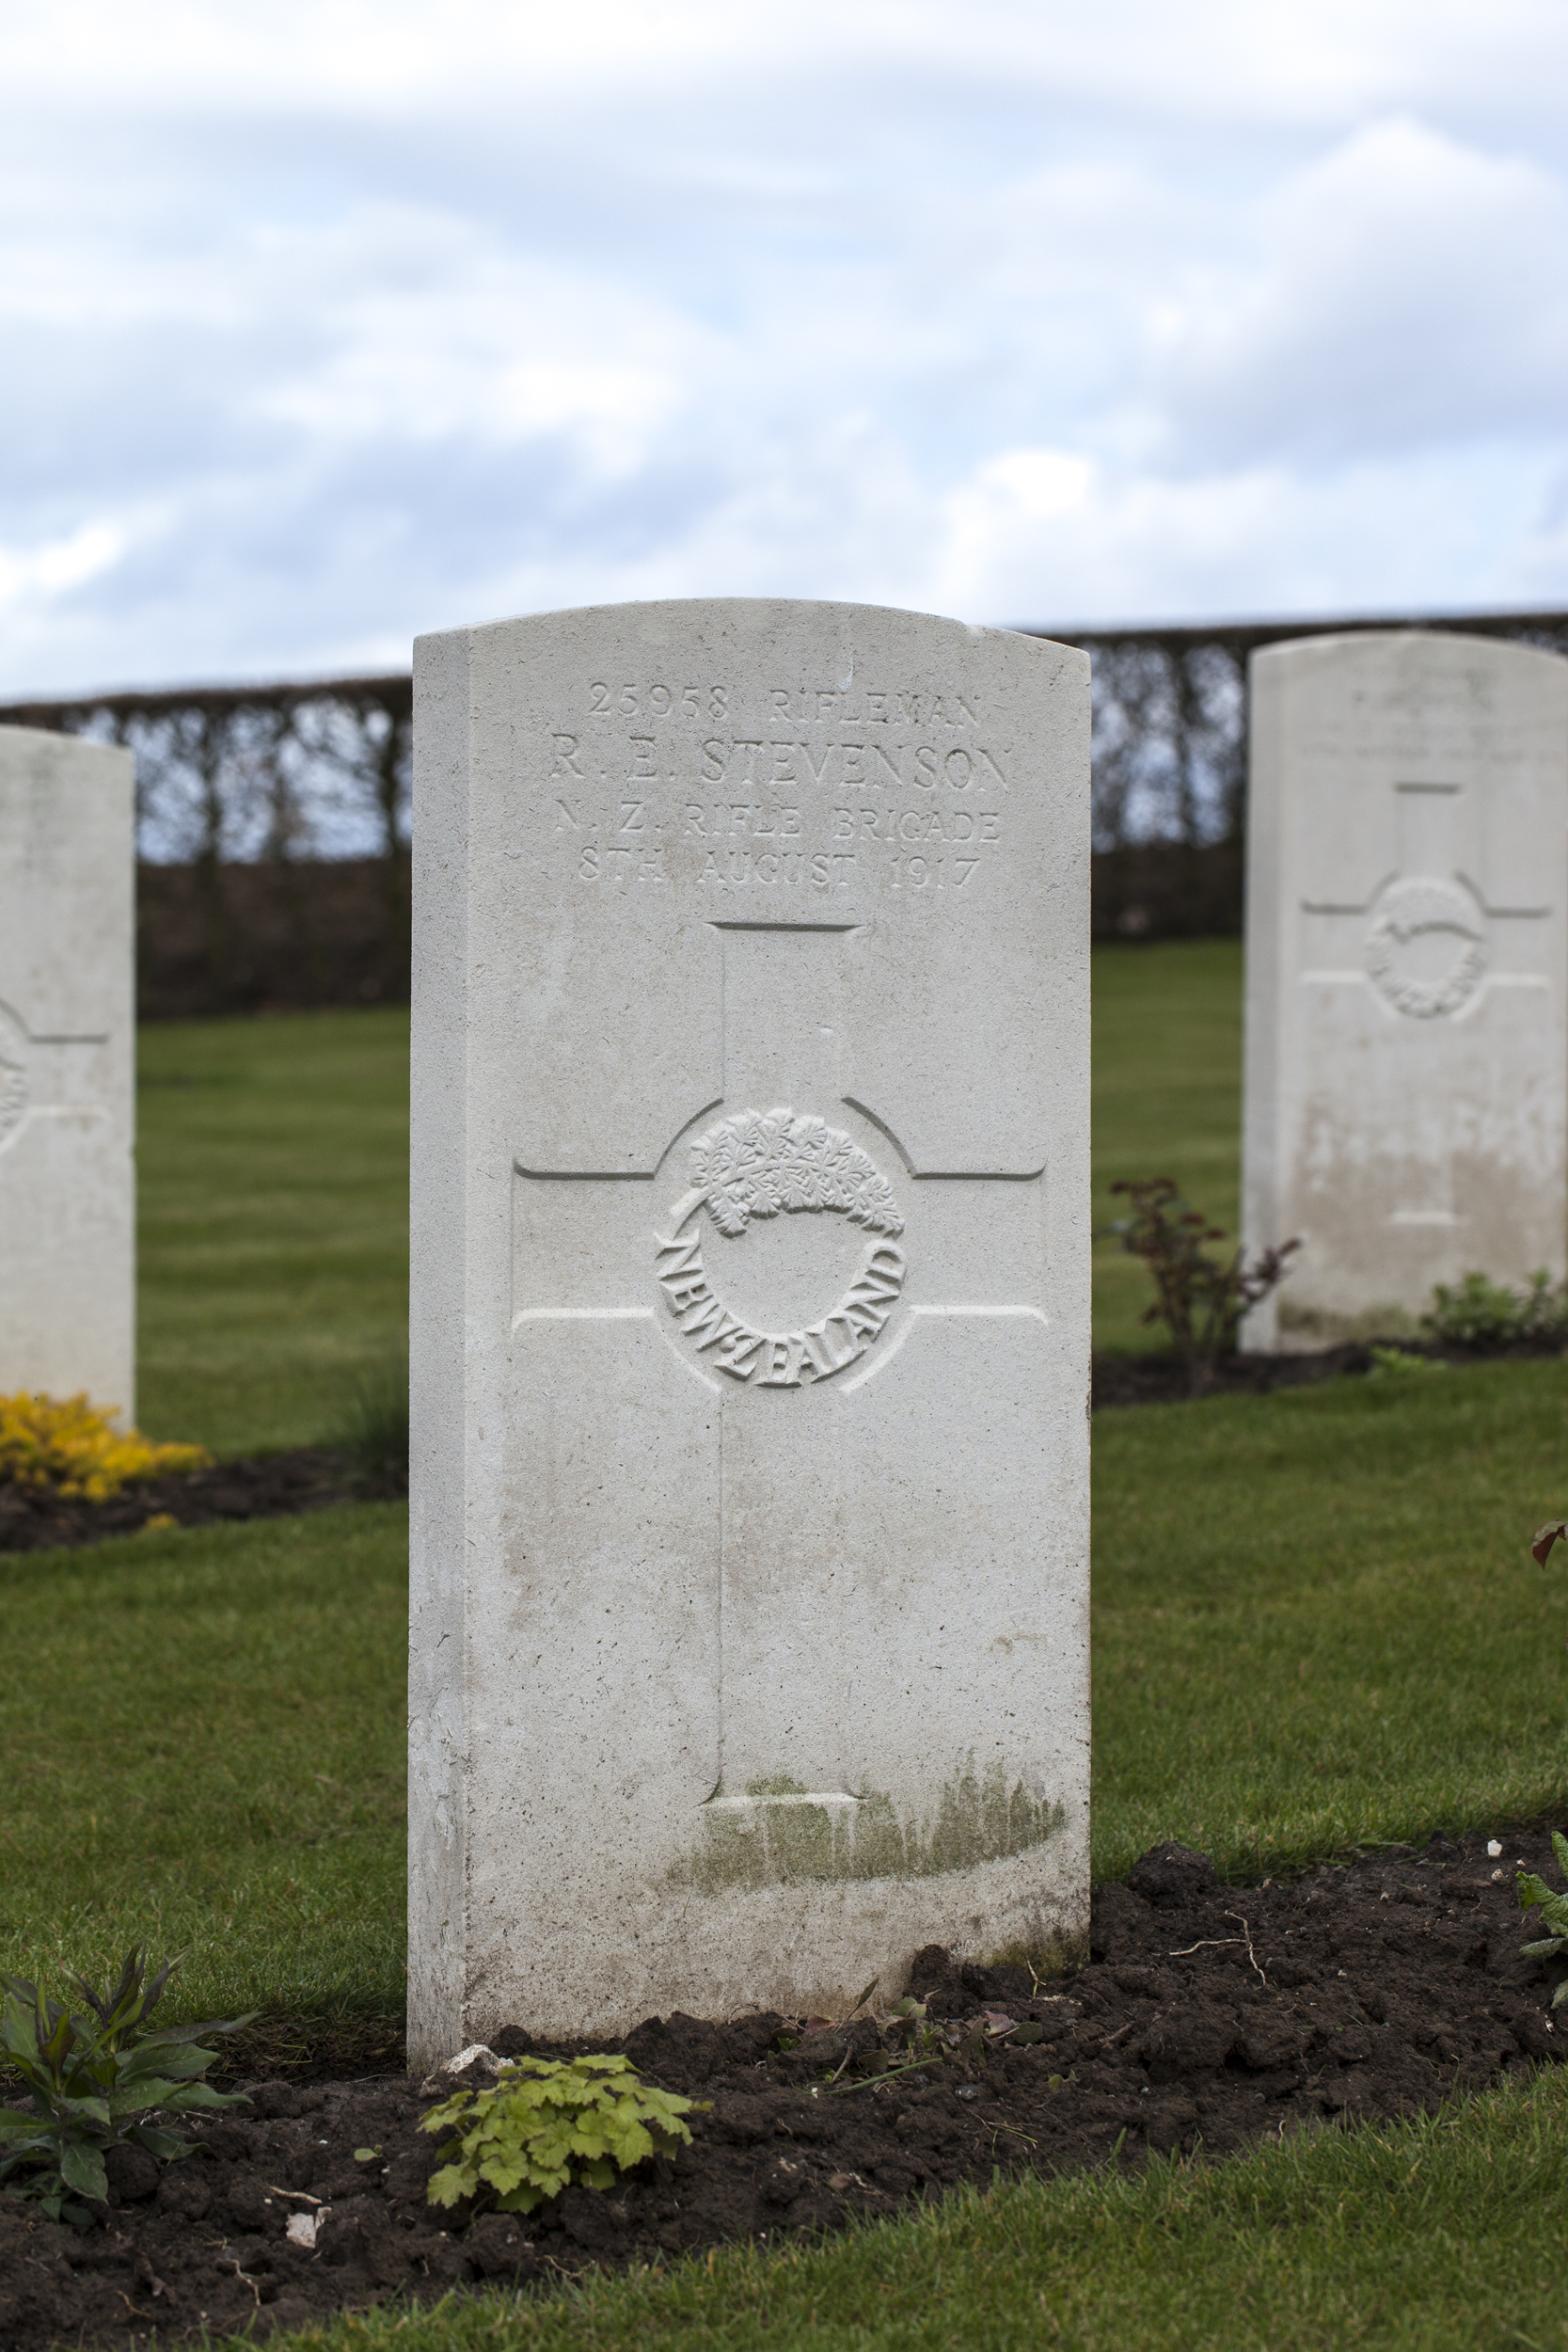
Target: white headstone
point(1407, 1030)
point(67, 1069)
point(750, 1310)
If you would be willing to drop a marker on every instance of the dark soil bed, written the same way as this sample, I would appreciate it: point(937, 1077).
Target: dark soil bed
point(270, 1486)
point(1208, 2018)
point(1163, 1379)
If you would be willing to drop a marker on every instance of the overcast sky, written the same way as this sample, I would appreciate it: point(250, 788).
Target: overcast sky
point(325, 324)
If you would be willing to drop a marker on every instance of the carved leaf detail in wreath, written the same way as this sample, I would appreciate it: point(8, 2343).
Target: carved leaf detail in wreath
point(776, 1163)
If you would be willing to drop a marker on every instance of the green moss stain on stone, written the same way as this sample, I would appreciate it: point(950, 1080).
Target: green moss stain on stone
point(789, 1836)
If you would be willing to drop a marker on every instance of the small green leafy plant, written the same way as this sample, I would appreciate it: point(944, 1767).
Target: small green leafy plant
point(549, 2123)
point(1200, 1299)
point(1554, 1914)
point(1488, 1316)
point(94, 2081)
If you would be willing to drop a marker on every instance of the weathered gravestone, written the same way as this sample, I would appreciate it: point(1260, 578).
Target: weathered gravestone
point(1406, 1037)
point(750, 1310)
point(67, 1058)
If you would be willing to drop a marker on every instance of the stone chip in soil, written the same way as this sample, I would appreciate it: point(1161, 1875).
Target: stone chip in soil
point(1206, 2016)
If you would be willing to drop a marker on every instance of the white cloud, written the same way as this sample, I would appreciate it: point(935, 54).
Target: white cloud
point(427, 329)
point(1239, 61)
point(1406, 288)
point(338, 321)
point(1038, 536)
point(46, 571)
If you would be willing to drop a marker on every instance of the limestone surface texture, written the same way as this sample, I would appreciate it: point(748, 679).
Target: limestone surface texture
point(1406, 1033)
point(750, 1310)
point(67, 1069)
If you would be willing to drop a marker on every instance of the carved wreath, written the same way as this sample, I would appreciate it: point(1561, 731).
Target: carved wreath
point(767, 1164)
point(1415, 910)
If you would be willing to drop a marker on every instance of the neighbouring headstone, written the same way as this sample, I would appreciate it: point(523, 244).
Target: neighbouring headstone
point(750, 1310)
point(1406, 1030)
point(67, 1069)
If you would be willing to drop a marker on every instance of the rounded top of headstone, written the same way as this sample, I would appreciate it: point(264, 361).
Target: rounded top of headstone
point(1410, 647)
point(750, 619)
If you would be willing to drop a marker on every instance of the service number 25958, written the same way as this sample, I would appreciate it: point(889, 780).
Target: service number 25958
point(657, 702)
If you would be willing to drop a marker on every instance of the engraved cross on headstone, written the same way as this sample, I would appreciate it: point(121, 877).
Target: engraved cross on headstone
point(1422, 941)
point(784, 1417)
point(44, 1075)
point(1425, 945)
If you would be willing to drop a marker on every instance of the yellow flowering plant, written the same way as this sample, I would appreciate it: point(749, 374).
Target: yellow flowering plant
point(66, 1447)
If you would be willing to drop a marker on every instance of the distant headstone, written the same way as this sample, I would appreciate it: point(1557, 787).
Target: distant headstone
point(66, 1064)
point(1406, 1027)
point(750, 1310)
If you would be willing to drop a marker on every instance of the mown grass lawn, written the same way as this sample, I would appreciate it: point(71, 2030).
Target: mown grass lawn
point(1315, 1621)
point(273, 1160)
point(202, 1747)
point(1167, 1101)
